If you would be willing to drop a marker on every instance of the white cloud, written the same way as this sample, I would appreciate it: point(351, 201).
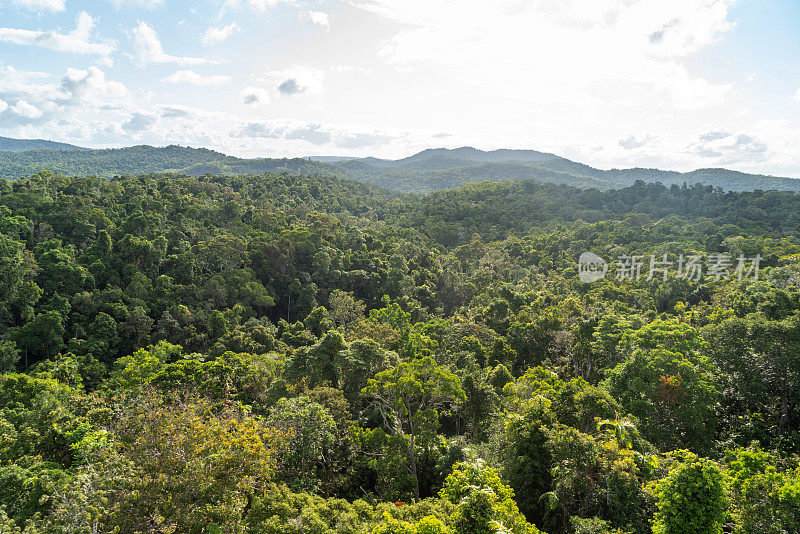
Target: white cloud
point(191, 77)
point(320, 18)
point(313, 133)
point(632, 142)
point(297, 80)
point(14, 82)
point(81, 96)
point(139, 122)
point(177, 111)
point(149, 50)
point(259, 6)
point(26, 110)
point(607, 82)
point(76, 42)
point(797, 95)
point(91, 84)
point(577, 76)
point(255, 96)
point(51, 5)
point(340, 69)
point(725, 148)
point(215, 35)
point(714, 135)
point(147, 4)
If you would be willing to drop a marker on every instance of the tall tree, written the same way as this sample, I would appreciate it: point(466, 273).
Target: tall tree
point(410, 399)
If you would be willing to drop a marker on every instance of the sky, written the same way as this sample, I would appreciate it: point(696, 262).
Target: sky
point(678, 84)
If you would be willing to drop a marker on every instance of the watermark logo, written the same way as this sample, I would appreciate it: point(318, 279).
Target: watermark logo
point(591, 267)
point(694, 268)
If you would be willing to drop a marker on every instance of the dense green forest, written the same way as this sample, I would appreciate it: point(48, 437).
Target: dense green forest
point(285, 354)
point(426, 172)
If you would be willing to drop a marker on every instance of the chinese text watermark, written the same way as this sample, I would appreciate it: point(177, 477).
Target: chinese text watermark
point(693, 267)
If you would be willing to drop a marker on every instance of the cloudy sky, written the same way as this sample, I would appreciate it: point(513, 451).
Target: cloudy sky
point(677, 84)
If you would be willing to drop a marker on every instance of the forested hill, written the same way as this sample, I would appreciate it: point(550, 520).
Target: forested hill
point(425, 172)
point(432, 170)
point(145, 159)
point(8, 144)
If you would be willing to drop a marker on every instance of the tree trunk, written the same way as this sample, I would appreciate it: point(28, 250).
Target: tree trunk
point(413, 461)
point(784, 403)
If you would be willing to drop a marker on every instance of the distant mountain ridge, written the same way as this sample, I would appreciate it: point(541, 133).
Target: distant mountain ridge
point(8, 144)
point(145, 159)
point(425, 172)
point(435, 169)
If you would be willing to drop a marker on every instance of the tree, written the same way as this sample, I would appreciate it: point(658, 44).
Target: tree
point(41, 338)
point(143, 366)
point(594, 476)
point(764, 495)
point(344, 308)
point(9, 355)
point(526, 458)
point(320, 364)
point(480, 406)
point(485, 504)
point(194, 467)
point(135, 331)
point(669, 385)
point(691, 498)
point(311, 435)
point(410, 399)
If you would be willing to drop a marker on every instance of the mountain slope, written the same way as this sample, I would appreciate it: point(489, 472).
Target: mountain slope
point(8, 144)
point(144, 159)
point(436, 169)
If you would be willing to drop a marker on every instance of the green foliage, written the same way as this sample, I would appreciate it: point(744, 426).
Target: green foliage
point(186, 354)
point(691, 498)
point(410, 398)
point(765, 495)
point(669, 385)
point(425, 172)
point(485, 504)
point(311, 432)
point(210, 465)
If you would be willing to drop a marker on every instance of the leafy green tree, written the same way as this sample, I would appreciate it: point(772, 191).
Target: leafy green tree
point(320, 364)
point(764, 496)
point(363, 360)
point(41, 338)
point(135, 331)
point(143, 366)
point(670, 386)
point(595, 477)
point(311, 432)
point(485, 504)
point(527, 461)
point(9, 355)
point(344, 308)
point(210, 465)
point(691, 498)
point(410, 398)
point(480, 407)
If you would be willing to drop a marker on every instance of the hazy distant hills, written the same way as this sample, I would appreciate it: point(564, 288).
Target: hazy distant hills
point(7, 144)
point(424, 172)
point(435, 169)
point(144, 159)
